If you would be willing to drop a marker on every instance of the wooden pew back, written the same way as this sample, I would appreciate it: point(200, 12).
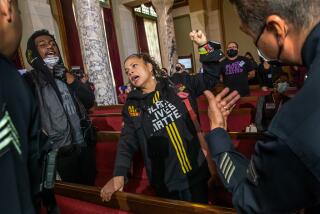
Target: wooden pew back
point(107, 121)
point(106, 109)
point(128, 202)
point(237, 120)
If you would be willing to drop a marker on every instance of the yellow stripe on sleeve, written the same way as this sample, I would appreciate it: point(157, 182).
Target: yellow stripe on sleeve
point(179, 147)
point(175, 147)
point(181, 143)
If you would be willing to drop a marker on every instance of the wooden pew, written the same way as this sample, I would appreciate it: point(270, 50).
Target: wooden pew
point(244, 102)
point(107, 136)
point(107, 121)
point(237, 120)
point(240, 118)
point(106, 109)
point(132, 203)
point(99, 110)
point(105, 159)
point(254, 87)
point(247, 102)
point(106, 150)
point(115, 135)
point(256, 91)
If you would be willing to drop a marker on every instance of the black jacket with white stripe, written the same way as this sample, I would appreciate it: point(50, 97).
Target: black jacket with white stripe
point(283, 175)
point(19, 129)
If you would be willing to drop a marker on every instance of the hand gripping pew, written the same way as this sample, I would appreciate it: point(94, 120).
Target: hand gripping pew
point(79, 199)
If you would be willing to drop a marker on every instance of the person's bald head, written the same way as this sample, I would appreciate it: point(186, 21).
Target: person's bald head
point(10, 27)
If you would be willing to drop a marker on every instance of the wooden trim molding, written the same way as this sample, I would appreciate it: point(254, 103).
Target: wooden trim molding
point(112, 136)
point(113, 114)
point(58, 16)
point(136, 203)
point(110, 107)
point(108, 136)
point(223, 29)
point(180, 3)
point(236, 111)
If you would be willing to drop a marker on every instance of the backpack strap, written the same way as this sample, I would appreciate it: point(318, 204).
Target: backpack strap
point(202, 140)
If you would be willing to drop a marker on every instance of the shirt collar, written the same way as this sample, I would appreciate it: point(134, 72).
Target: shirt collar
point(310, 46)
point(137, 93)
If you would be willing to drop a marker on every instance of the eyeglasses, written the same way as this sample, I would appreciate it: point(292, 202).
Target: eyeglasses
point(260, 53)
point(46, 44)
point(260, 34)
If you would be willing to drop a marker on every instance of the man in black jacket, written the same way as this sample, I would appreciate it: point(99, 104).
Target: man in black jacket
point(18, 121)
point(63, 102)
point(283, 175)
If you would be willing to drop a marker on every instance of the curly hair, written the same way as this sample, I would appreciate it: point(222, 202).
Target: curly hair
point(156, 70)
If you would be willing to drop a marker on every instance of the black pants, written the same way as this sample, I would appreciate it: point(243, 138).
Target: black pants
point(77, 164)
point(197, 193)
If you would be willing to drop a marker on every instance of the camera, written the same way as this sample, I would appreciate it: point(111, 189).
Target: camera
point(77, 72)
point(215, 45)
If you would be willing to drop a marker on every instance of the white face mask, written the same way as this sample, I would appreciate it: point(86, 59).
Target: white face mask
point(282, 87)
point(51, 61)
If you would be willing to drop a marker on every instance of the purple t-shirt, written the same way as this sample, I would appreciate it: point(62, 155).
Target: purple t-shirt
point(235, 74)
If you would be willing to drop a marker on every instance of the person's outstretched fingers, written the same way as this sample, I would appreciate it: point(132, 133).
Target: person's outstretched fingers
point(222, 94)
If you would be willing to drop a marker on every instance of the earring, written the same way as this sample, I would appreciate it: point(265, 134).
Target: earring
point(153, 77)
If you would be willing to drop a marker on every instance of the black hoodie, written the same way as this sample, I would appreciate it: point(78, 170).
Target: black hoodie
point(158, 124)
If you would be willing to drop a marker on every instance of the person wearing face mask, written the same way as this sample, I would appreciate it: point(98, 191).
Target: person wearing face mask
point(63, 102)
point(283, 173)
point(237, 70)
point(269, 105)
point(180, 68)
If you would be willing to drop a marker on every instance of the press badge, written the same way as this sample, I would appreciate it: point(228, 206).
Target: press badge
point(270, 105)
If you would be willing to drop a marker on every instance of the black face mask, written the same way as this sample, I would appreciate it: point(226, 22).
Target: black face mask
point(232, 53)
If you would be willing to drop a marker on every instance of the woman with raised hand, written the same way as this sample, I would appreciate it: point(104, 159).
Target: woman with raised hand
point(157, 122)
